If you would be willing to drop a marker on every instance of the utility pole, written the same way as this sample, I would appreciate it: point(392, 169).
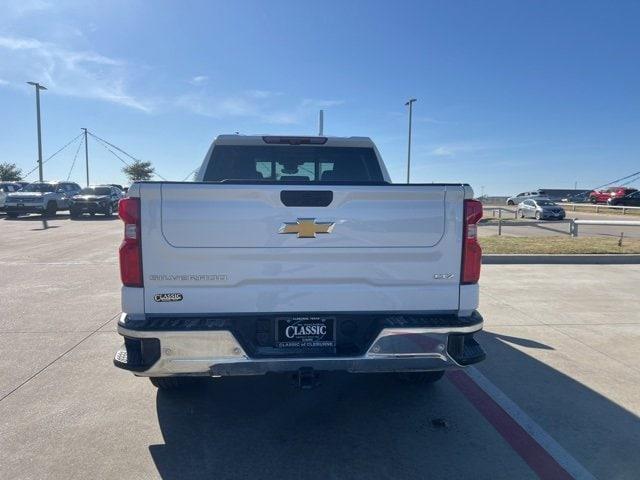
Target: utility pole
point(321, 123)
point(38, 88)
point(86, 154)
point(410, 104)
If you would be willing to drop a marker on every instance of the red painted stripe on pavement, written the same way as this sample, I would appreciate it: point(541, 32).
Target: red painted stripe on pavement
point(540, 461)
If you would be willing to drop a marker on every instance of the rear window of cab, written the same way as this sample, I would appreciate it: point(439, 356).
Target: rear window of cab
point(301, 163)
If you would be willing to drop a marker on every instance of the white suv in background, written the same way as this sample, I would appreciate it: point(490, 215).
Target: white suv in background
point(521, 197)
point(5, 189)
point(45, 198)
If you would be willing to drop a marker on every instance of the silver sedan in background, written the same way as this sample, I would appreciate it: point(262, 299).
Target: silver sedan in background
point(541, 210)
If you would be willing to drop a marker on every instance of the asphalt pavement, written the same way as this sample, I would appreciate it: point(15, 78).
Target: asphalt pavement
point(560, 386)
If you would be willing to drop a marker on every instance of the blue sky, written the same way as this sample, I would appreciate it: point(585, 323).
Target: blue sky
point(512, 95)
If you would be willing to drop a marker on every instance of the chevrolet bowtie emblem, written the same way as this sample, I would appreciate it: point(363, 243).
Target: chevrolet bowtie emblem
point(307, 227)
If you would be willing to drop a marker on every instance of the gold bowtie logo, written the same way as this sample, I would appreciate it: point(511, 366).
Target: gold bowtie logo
point(307, 227)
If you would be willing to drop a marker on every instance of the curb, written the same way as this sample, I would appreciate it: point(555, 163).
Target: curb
point(533, 259)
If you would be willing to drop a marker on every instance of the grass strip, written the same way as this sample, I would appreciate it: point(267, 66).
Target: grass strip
point(560, 245)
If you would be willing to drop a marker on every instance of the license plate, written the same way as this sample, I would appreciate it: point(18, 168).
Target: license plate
point(305, 332)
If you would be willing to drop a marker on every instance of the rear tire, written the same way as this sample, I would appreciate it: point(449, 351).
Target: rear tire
point(414, 378)
point(510, 202)
point(74, 214)
point(108, 211)
point(169, 383)
point(538, 216)
point(593, 200)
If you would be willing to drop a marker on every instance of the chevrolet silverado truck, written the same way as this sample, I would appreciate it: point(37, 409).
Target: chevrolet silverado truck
point(297, 255)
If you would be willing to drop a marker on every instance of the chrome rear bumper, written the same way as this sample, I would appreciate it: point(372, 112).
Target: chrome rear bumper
point(218, 352)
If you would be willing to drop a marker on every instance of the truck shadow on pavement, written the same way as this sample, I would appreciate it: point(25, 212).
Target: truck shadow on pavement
point(371, 426)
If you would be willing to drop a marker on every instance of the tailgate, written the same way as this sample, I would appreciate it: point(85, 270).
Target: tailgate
point(250, 248)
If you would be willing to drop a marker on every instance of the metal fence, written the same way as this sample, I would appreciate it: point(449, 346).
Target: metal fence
point(575, 223)
point(499, 211)
point(624, 209)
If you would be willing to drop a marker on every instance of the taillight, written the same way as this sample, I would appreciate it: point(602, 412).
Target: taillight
point(130, 248)
point(471, 250)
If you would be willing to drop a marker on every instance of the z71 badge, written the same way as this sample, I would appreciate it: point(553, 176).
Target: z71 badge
point(168, 297)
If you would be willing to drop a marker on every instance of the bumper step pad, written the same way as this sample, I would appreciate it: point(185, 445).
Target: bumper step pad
point(137, 354)
point(464, 349)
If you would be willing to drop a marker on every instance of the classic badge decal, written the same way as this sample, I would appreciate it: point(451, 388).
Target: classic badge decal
point(307, 227)
point(168, 297)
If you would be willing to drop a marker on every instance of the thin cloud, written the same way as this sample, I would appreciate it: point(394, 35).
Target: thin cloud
point(199, 80)
point(19, 8)
point(318, 103)
point(432, 120)
point(477, 148)
point(73, 73)
point(423, 119)
point(261, 105)
point(442, 151)
point(454, 149)
point(262, 93)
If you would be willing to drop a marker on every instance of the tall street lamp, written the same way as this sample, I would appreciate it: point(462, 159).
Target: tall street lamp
point(410, 104)
point(38, 88)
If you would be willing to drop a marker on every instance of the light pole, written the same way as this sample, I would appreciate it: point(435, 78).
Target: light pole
point(86, 154)
point(410, 104)
point(38, 88)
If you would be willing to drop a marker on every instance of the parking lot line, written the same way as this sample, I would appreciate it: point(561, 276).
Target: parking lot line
point(538, 449)
point(31, 377)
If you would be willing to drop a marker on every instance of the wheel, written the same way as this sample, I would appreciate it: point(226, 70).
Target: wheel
point(420, 377)
point(593, 200)
point(108, 211)
point(12, 215)
point(521, 213)
point(510, 202)
point(538, 216)
point(169, 383)
point(51, 209)
point(74, 214)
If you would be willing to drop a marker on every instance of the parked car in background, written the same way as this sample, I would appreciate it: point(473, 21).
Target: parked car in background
point(582, 197)
point(45, 198)
point(101, 199)
point(521, 197)
point(22, 184)
point(5, 189)
point(631, 200)
point(603, 196)
point(541, 209)
point(115, 185)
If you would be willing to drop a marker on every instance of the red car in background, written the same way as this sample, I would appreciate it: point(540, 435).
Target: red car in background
point(605, 195)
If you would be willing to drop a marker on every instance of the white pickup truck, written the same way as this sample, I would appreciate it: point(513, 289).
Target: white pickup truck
point(297, 254)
